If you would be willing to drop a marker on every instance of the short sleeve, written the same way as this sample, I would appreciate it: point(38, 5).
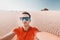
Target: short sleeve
point(15, 30)
point(36, 29)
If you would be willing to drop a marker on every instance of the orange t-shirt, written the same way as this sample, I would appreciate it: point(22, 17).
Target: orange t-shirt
point(25, 35)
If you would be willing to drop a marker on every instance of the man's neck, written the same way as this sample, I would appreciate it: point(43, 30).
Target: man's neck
point(26, 28)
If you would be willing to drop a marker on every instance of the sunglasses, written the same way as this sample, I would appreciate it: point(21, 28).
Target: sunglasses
point(26, 18)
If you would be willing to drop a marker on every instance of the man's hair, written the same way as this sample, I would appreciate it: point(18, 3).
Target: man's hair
point(27, 14)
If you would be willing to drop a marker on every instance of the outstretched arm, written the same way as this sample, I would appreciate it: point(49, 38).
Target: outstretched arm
point(47, 36)
point(9, 36)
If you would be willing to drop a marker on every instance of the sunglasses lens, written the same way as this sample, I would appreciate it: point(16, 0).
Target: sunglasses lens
point(27, 18)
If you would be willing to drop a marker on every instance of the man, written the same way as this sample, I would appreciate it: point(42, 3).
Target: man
point(26, 32)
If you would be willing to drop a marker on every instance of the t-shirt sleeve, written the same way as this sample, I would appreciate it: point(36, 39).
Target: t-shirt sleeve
point(15, 30)
point(36, 29)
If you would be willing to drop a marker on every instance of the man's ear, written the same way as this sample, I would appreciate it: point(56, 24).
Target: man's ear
point(30, 20)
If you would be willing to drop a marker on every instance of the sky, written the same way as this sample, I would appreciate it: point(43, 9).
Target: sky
point(33, 5)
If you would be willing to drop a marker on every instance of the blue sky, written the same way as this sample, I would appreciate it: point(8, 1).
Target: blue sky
point(34, 5)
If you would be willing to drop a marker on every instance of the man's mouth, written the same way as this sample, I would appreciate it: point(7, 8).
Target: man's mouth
point(25, 22)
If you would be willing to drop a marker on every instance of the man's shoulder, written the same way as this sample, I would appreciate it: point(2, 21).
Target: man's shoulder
point(17, 28)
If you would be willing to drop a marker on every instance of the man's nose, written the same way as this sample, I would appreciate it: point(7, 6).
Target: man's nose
point(24, 20)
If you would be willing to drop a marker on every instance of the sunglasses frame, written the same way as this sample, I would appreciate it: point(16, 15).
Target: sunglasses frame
point(26, 18)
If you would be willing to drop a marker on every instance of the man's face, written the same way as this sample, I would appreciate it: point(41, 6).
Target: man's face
point(25, 19)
